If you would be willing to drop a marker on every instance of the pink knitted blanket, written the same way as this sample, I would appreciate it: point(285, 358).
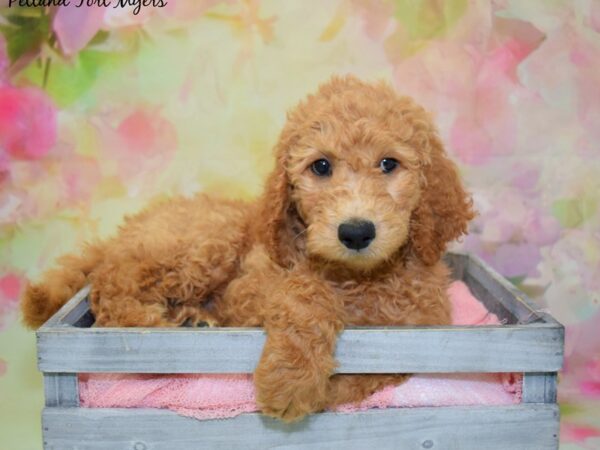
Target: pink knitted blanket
point(204, 396)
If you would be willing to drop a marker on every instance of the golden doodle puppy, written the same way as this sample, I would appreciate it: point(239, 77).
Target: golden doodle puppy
point(350, 230)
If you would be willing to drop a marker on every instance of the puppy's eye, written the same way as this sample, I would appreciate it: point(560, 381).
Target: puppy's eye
point(388, 165)
point(321, 168)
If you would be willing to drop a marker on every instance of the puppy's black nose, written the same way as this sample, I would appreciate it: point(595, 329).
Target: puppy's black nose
point(356, 234)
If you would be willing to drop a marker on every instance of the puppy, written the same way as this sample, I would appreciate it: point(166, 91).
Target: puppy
point(350, 230)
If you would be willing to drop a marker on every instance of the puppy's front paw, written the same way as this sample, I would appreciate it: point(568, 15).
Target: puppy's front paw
point(289, 393)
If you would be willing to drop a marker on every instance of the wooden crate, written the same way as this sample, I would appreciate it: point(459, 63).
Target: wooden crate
point(530, 342)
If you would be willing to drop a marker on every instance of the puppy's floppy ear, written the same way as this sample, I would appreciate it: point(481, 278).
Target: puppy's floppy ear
point(278, 218)
point(444, 209)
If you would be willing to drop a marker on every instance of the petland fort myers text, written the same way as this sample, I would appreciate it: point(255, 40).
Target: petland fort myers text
point(136, 4)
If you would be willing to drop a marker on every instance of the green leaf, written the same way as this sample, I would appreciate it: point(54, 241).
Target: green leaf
point(572, 212)
point(567, 409)
point(100, 37)
point(71, 79)
point(428, 19)
point(25, 34)
point(517, 280)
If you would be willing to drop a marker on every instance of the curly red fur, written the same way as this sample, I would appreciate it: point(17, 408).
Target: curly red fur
point(278, 263)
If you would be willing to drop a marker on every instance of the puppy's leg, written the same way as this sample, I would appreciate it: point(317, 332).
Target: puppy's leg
point(41, 300)
point(161, 283)
point(242, 303)
point(158, 270)
point(302, 319)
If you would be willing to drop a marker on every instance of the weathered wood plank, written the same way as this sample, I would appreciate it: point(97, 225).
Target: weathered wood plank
point(524, 427)
point(539, 387)
point(480, 289)
point(518, 348)
point(501, 291)
point(457, 262)
point(61, 389)
point(70, 312)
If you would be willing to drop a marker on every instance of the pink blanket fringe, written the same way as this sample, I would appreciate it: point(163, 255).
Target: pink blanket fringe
point(212, 396)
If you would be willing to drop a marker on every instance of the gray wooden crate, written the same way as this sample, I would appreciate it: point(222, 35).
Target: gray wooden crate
point(530, 341)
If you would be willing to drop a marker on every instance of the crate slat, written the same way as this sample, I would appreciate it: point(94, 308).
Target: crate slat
point(499, 292)
point(71, 312)
point(61, 389)
point(522, 427)
point(514, 348)
point(539, 387)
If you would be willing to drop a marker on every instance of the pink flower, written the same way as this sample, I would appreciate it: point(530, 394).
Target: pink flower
point(144, 132)
point(488, 128)
point(10, 287)
point(571, 432)
point(75, 27)
point(79, 177)
point(516, 260)
point(590, 388)
point(582, 346)
point(593, 369)
point(595, 16)
point(140, 143)
point(541, 229)
point(472, 83)
point(4, 166)
point(27, 123)
point(512, 228)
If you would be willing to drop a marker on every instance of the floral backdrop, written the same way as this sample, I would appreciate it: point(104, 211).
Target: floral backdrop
point(104, 108)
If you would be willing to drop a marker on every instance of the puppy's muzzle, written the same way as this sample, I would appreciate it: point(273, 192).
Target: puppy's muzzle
point(356, 234)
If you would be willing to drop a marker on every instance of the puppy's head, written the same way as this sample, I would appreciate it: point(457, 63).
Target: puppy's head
point(361, 174)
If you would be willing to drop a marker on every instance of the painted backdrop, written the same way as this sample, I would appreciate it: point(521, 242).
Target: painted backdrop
point(102, 109)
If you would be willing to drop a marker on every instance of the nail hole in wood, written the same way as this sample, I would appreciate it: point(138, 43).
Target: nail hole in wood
point(427, 444)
